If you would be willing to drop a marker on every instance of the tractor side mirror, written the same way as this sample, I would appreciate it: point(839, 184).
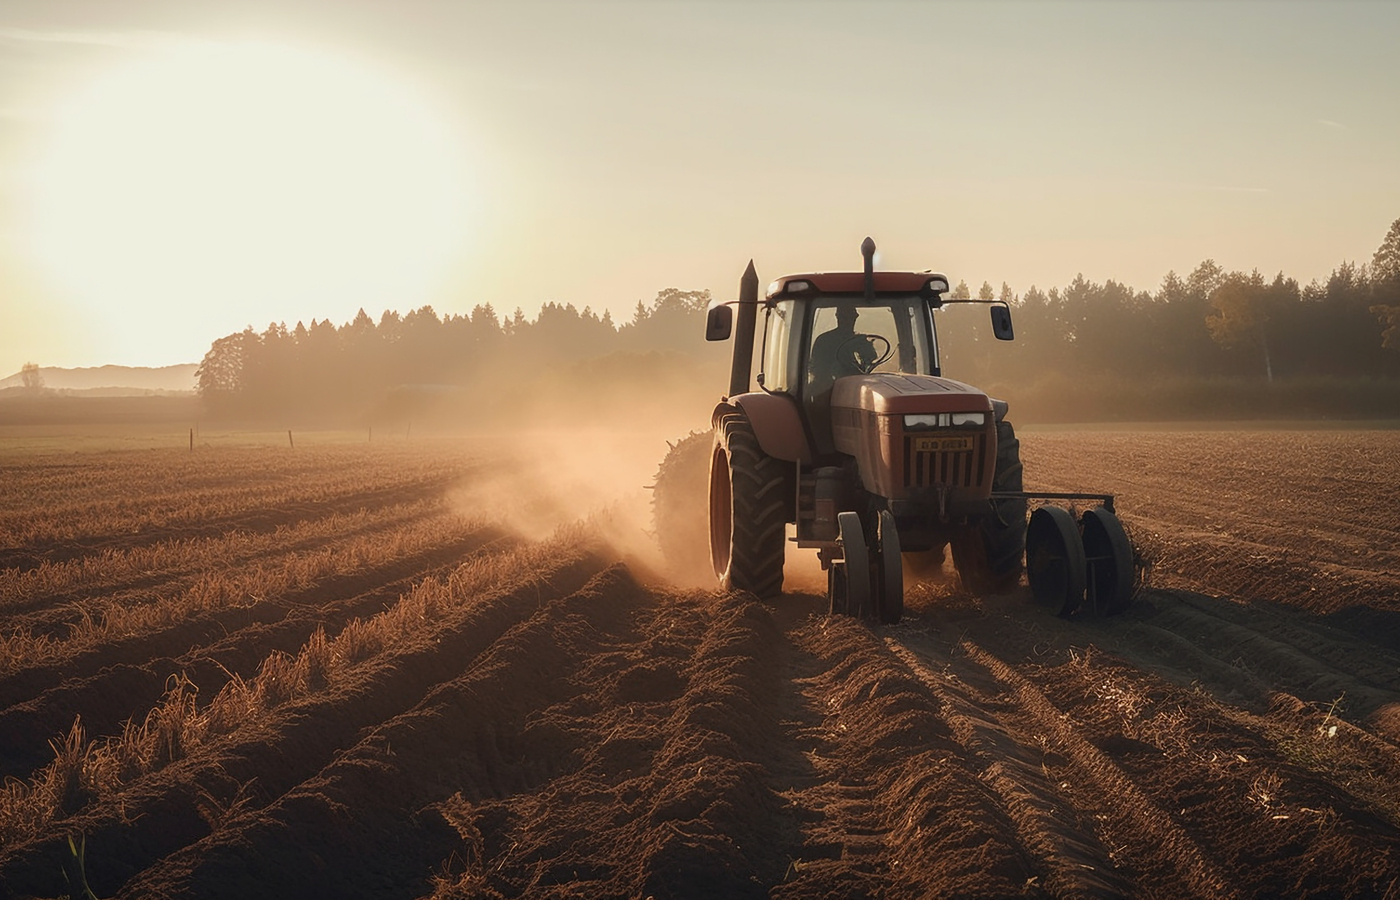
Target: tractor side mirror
point(719, 322)
point(1001, 322)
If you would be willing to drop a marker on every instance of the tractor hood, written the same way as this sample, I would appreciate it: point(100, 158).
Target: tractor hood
point(892, 394)
point(898, 458)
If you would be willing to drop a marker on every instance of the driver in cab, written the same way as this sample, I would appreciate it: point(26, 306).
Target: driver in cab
point(840, 351)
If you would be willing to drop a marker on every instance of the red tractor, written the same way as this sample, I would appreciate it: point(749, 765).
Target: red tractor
point(854, 444)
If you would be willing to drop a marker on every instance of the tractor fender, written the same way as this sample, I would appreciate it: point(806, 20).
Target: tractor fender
point(776, 421)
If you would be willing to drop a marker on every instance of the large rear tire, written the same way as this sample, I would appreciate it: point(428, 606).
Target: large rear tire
point(990, 556)
point(750, 499)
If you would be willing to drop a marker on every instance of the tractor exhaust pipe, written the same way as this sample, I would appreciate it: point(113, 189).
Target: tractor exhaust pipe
point(867, 250)
point(742, 369)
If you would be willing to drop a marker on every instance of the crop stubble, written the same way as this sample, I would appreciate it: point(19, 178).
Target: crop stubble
point(284, 674)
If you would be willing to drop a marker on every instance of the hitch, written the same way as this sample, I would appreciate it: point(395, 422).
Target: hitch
point(1105, 499)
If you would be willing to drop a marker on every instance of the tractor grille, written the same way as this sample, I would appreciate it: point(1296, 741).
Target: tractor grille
point(956, 468)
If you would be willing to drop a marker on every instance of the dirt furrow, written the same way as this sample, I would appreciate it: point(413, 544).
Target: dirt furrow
point(1132, 814)
point(1247, 770)
point(50, 597)
point(1256, 794)
point(117, 692)
point(898, 807)
point(199, 627)
point(254, 765)
point(676, 720)
point(257, 514)
point(1249, 653)
point(520, 755)
point(1072, 858)
point(1223, 566)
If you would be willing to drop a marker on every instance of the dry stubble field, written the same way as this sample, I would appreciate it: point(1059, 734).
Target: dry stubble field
point(441, 669)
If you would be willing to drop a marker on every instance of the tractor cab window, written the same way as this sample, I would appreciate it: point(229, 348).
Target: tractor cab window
point(852, 339)
point(780, 346)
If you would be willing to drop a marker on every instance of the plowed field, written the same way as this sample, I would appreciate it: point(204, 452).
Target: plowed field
point(440, 669)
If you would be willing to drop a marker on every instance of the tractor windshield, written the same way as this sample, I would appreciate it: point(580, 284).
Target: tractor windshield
point(808, 344)
point(859, 339)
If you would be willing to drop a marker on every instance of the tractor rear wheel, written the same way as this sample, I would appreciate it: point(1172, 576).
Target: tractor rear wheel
point(990, 554)
point(750, 499)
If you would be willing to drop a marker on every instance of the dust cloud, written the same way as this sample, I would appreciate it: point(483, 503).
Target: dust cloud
point(582, 445)
point(542, 480)
point(577, 446)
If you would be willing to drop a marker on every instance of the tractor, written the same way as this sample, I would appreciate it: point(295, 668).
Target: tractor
point(854, 444)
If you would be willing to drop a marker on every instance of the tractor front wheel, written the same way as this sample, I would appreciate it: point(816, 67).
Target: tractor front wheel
point(889, 570)
point(749, 505)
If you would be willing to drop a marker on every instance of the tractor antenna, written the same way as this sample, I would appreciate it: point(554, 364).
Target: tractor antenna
point(867, 249)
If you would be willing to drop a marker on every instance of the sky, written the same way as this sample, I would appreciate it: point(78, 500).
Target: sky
point(172, 172)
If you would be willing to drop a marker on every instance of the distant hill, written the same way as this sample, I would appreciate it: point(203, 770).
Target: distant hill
point(113, 380)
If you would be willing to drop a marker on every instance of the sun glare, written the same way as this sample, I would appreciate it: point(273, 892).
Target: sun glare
point(223, 185)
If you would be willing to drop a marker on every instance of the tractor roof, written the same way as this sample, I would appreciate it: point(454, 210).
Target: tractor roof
point(929, 283)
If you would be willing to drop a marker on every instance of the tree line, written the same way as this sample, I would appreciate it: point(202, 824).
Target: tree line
point(1210, 324)
point(325, 372)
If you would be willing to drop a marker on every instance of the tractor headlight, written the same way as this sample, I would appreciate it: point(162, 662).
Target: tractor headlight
point(945, 420)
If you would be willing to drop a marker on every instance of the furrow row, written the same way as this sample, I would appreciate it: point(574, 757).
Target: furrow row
point(260, 738)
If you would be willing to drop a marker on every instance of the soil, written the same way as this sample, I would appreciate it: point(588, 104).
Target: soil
point(575, 723)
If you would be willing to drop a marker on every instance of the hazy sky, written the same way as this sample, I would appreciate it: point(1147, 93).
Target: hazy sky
point(171, 172)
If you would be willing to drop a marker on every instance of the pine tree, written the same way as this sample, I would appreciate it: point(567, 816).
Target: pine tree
point(1385, 265)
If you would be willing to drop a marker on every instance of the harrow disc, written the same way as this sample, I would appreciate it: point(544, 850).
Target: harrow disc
point(1055, 565)
point(1109, 558)
point(854, 567)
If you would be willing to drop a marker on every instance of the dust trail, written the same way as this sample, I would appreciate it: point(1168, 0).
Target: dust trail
point(540, 480)
point(544, 479)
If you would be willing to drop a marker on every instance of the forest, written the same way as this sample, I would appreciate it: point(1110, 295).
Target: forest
point(1212, 343)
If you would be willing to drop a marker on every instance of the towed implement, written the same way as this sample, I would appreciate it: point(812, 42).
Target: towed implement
point(850, 441)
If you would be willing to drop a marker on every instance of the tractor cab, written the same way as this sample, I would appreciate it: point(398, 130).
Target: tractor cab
point(838, 347)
